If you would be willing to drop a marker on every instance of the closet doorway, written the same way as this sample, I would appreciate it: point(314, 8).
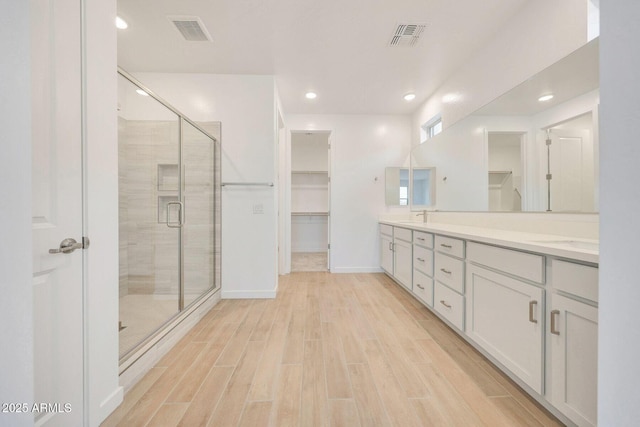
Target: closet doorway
point(310, 200)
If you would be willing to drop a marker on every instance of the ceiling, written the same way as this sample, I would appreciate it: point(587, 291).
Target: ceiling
point(336, 48)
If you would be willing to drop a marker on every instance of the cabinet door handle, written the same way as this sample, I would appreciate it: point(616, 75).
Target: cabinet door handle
point(531, 311)
point(420, 259)
point(420, 238)
point(445, 271)
point(446, 246)
point(443, 302)
point(418, 285)
point(554, 327)
point(390, 246)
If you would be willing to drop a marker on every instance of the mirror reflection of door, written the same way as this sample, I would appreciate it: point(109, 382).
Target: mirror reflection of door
point(505, 171)
point(572, 163)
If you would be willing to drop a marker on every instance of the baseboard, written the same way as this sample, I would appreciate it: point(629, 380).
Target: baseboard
point(356, 270)
point(109, 405)
point(249, 294)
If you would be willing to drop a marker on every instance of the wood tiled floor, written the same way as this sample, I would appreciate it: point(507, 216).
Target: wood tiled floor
point(332, 349)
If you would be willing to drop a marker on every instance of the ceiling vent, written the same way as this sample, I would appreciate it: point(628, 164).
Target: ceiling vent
point(406, 35)
point(191, 28)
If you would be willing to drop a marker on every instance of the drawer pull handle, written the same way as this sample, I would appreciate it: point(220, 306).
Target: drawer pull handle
point(532, 304)
point(445, 271)
point(554, 327)
point(420, 238)
point(420, 259)
point(443, 302)
point(446, 246)
point(418, 285)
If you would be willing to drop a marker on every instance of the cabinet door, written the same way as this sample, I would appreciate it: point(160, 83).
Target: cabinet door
point(504, 316)
point(403, 265)
point(386, 253)
point(573, 359)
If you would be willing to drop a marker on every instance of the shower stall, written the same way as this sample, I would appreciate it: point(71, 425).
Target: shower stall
point(169, 213)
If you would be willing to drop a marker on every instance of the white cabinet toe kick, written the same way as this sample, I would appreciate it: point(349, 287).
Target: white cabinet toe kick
point(534, 315)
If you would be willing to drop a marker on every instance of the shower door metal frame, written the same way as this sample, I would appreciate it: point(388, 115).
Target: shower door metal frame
point(127, 359)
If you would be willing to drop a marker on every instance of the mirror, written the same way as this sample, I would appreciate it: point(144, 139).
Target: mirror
point(396, 186)
point(423, 187)
point(519, 153)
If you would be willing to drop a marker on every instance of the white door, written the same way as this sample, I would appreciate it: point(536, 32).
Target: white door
point(572, 170)
point(57, 213)
point(329, 204)
point(386, 253)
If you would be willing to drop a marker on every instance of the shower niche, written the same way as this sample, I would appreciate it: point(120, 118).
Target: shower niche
point(169, 198)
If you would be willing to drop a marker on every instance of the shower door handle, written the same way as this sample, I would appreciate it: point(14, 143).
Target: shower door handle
point(180, 215)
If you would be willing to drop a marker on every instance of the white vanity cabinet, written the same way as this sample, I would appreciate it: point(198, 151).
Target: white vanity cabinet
point(403, 256)
point(504, 317)
point(386, 248)
point(572, 350)
point(396, 253)
point(423, 267)
point(448, 292)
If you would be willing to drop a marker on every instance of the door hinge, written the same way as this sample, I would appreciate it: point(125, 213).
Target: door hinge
point(328, 245)
point(85, 242)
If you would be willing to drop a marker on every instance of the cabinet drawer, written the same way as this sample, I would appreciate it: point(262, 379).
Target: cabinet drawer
point(423, 260)
point(423, 239)
point(576, 279)
point(448, 245)
point(449, 271)
point(521, 264)
point(386, 229)
point(402, 234)
point(423, 287)
point(449, 304)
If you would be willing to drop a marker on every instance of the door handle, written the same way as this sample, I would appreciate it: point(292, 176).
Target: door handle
point(554, 327)
point(532, 304)
point(180, 215)
point(67, 246)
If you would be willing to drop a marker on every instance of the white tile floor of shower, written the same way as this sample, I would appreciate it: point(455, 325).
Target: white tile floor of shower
point(308, 261)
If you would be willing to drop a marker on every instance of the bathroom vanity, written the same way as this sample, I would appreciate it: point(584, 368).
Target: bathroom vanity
point(528, 301)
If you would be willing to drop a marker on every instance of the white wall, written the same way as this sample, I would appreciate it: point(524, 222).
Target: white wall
point(246, 107)
point(16, 303)
point(362, 146)
point(541, 33)
point(619, 334)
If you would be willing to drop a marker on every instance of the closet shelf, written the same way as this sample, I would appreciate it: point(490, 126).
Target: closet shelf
point(310, 172)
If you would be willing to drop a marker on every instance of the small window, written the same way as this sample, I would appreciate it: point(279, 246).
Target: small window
point(431, 129)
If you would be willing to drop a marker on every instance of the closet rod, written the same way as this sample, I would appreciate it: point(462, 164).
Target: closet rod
point(257, 184)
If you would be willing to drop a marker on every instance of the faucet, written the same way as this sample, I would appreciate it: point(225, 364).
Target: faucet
point(424, 216)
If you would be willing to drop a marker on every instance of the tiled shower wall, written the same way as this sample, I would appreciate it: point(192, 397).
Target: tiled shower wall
point(149, 249)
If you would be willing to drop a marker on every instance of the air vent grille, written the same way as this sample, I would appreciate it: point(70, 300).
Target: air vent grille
point(407, 35)
point(191, 28)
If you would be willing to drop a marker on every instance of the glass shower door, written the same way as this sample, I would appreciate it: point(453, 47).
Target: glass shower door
point(149, 214)
point(199, 227)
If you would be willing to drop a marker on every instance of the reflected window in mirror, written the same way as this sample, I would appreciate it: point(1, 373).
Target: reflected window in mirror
point(431, 128)
point(423, 187)
point(397, 186)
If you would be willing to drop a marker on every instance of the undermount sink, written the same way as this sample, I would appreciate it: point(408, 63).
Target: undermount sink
point(575, 244)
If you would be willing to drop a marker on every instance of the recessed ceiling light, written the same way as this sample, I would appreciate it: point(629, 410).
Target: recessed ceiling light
point(545, 97)
point(121, 24)
point(410, 97)
point(310, 95)
point(141, 92)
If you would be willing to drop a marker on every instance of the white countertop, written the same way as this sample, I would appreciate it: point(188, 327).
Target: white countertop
point(547, 244)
